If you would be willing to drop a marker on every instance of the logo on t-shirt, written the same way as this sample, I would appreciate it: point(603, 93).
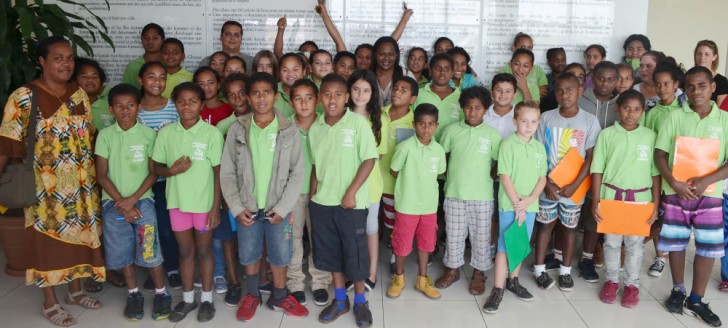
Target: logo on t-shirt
point(454, 111)
point(435, 161)
point(138, 151)
point(348, 138)
point(272, 138)
point(715, 131)
point(643, 151)
point(199, 153)
point(484, 145)
point(539, 159)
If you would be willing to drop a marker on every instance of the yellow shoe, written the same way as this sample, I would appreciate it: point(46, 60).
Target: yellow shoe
point(424, 285)
point(396, 286)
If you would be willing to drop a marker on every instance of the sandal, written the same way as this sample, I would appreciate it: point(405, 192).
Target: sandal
point(60, 318)
point(723, 287)
point(92, 286)
point(85, 301)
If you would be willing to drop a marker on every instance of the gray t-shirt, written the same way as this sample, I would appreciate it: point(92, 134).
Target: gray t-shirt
point(248, 62)
point(559, 134)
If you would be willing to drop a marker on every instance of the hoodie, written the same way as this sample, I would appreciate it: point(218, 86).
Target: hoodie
point(604, 110)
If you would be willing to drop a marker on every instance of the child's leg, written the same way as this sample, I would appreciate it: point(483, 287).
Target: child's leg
point(351, 228)
point(296, 276)
point(426, 232)
point(280, 251)
point(186, 242)
point(547, 214)
point(119, 242)
point(702, 267)
point(148, 253)
point(479, 217)
point(167, 238)
point(612, 254)
point(707, 220)
point(373, 240)
point(633, 252)
point(675, 235)
point(203, 248)
point(250, 252)
point(505, 220)
point(569, 217)
point(456, 229)
point(228, 251)
point(402, 237)
point(319, 279)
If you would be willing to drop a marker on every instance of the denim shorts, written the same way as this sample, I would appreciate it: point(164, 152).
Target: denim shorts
point(126, 243)
point(278, 241)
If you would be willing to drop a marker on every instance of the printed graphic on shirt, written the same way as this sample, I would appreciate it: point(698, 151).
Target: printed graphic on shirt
point(199, 153)
point(484, 145)
point(435, 164)
point(715, 131)
point(138, 151)
point(348, 138)
point(560, 140)
point(272, 137)
point(454, 111)
point(539, 159)
point(643, 152)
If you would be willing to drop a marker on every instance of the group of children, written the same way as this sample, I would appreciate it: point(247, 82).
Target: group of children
point(199, 169)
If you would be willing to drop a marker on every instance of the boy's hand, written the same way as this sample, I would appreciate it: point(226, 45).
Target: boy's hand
point(595, 211)
point(132, 215)
point(653, 218)
point(568, 190)
point(282, 23)
point(274, 217)
point(552, 191)
point(181, 165)
point(245, 218)
point(521, 217)
point(698, 186)
point(349, 200)
point(125, 204)
point(683, 190)
point(213, 219)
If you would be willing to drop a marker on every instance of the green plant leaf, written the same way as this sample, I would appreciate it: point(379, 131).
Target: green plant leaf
point(26, 22)
point(79, 41)
point(108, 40)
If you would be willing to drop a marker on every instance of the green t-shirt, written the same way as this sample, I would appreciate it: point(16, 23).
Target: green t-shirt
point(658, 114)
point(376, 184)
point(449, 108)
point(128, 154)
point(402, 127)
point(131, 73)
point(193, 190)
point(626, 160)
point(685, 122)
point(525, 163)
point(283, 103)
point(416, 190)
point(536, 76)
point(100, 112)
point(535, 94)
point(472, 151)
point(224, 125)
point(337, 152)
point(306, 157)
point(262, 151)
point(174, 80)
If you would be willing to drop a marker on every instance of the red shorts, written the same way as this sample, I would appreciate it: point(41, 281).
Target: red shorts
point(406, 227)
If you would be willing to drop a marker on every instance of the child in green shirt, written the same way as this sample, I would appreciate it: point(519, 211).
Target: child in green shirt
point(291, 70)
point(91, 78)
point(173, 54)
point(439, 92)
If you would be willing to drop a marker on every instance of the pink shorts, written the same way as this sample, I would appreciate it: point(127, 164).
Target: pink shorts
point(406, 227)
point(182, 221)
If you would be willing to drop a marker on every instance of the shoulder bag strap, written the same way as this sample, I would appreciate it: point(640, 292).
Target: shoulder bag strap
point(32, 127)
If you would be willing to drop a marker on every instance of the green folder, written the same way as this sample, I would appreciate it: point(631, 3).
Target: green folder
point(517, 244)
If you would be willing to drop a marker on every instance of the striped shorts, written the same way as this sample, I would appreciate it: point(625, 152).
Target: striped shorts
point(705, 215)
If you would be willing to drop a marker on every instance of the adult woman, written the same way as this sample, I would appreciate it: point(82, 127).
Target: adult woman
point(152, 37)
point(648, 63)
point(63, 228)
point(706, 55)
point(266, 61)
point(385, 64)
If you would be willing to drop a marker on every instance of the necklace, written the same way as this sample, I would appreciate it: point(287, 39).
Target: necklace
point(69, 104)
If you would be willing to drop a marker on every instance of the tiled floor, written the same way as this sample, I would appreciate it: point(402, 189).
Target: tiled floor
point(20, 306)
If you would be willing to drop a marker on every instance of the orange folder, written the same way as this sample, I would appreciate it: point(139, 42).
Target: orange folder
point(566, 172)
point(625, 218)
point(695, 157)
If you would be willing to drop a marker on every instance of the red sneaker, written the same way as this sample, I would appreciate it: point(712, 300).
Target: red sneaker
point(631, 296)
point(289, 306)
point(247, 308)
point(609, 292)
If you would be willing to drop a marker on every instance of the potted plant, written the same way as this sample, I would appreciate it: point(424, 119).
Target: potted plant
point(23, 24)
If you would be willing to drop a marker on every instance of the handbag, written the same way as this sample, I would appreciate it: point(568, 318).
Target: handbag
point(17, 184)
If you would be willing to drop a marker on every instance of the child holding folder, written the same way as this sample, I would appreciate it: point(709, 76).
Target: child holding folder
point(623, 169)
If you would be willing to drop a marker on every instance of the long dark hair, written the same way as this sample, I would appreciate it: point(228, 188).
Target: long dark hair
point(397, 69)
point(375, 112)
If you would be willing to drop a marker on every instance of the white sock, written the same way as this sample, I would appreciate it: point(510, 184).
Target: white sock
point(564, 270)
point(188, 297)
point(558, 255)
point(538, 269)
point(206, 297)
point(586, 255)
point(162, 290)
point(134, 290)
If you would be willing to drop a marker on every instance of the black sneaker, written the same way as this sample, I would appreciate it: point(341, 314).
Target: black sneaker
point(300, 296)
point(232, 297)
point(162, 306)
point(521, 292)
point(181, 310)
point(493, 301)
point(148, 284)
point(544, 281)
point(363, 315)
point(134, 310)
point(566, 283)
point(369, 285)
point(703, 312)
point(320, 297)
point(175, 281)
point(266, 289)
point(551, 262)
point(206, 312)
point(674, 304)
point(588, 271)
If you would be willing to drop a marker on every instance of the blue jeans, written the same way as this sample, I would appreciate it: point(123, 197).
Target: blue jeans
point(278, 241)
point(505, 219)
point(127, 243)
point(170, 250)
point(724, 259)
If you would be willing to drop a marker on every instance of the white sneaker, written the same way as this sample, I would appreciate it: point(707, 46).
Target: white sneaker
point(656, 268)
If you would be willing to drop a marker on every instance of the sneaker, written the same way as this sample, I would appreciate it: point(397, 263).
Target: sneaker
point(674, 304)
point(300, 297)
point(288, 305)
point(369, 285)
point(552, 263)
point(221, 285)
point(175, 281)
point(494, 300)
point(197, 283)
point(521, 292)
point(232, 297)
point(609, 292)
point(181, 310)
point(424, 285)
point(247, 308)
point(332, 312)
point(162, 306)
point(566, 283)
point(134, 310)
point(320, 297)
point(396, 286)
point(631, 296)
point(363, 315)
point(587, 270)
point(206, 312)
point(266, 289)
point(656, 268)
point(148, 284)
point(544, 281)
point(704, 313)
